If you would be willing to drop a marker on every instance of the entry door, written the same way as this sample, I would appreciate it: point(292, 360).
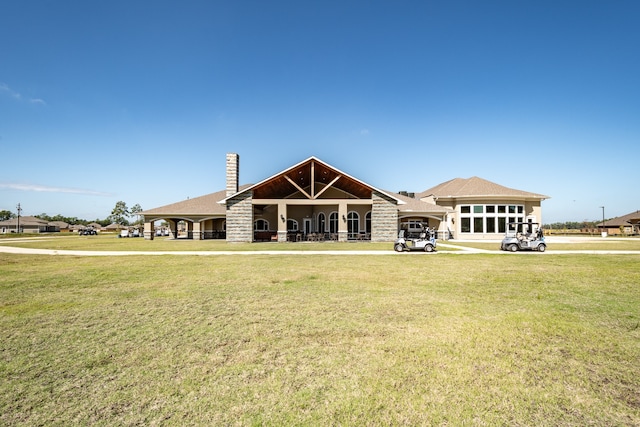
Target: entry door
point(307, 226)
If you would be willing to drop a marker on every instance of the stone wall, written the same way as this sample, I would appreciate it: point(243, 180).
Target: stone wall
point(384, 218)
point(240, 218)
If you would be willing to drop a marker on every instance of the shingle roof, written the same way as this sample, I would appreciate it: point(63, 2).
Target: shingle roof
point(59, 224)
point(24, 221)
point(203, 205)
point(622, 220)
point(416, 205)
point(474, 187)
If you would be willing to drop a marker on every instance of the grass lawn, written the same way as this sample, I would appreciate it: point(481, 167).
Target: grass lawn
point(589, 244)
point(338, 340)
point(112, 243)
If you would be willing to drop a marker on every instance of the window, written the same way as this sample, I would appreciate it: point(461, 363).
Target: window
point(486, 218)
point(261, 225)
point(321, 222)
point(292, 225)
point(502, 224)
point(367, 222)
point(491, 224)
point(333, 222)
point(353, 224)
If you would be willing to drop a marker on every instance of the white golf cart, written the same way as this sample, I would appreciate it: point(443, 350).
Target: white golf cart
point(426, 241)
point(523, 236)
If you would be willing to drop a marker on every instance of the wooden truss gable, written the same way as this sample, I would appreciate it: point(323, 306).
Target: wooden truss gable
point(311, 180)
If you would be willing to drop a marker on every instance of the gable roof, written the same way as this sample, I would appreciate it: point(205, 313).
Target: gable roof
point(476, 187)
point(305, 174)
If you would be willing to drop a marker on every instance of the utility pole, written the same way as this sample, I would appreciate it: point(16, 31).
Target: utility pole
point(604, 227)
point(18, 223)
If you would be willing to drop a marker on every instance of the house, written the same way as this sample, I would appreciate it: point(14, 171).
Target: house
point(313, 200)
point(27, 224)
point(113, 227)
point(628, 224)
point(62, 226)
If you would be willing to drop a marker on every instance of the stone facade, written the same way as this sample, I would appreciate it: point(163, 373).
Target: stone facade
point(384, 218)
point(240, 218)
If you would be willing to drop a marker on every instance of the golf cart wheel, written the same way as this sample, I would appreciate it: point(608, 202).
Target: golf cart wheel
point(513, 248)
point(398, 247)
point(542, 247)
point(428, 248)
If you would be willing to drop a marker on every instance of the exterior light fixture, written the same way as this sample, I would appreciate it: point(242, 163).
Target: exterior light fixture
point(282, 217)
point(344, 218)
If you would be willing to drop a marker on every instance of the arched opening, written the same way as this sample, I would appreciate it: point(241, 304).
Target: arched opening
point(353, 225)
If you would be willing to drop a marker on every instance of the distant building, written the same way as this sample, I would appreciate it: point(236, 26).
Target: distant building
point(27, 224)
point(62, 226)
point(628, 224)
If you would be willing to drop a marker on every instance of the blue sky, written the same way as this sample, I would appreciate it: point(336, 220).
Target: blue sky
point(140, 100)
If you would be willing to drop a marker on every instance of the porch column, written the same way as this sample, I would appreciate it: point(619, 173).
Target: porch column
point(196, 231)
point(343, 230)
point(149, 230)
point(282, 223)
point(173, 228)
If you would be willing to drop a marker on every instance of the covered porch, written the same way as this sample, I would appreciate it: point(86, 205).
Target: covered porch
point(185, 227)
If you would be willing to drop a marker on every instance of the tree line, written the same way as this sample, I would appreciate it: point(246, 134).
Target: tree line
point(572, 225)
point(121, 214)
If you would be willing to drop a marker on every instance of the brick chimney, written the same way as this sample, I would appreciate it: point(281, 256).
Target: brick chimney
point(233, 170)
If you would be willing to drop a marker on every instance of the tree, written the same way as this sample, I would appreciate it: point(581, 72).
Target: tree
point(5, 215)
point(120, 213)
point(135, 210)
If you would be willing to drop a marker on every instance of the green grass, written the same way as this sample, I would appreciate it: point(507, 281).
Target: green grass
point(338, 340)
point(112, 243)
point(630, 244)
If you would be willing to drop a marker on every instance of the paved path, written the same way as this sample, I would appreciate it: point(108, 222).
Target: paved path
point(462, 251)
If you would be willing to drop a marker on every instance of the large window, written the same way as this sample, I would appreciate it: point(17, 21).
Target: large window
point(292, 225)
point(478, 224)
point(321, 223)
point(353, 224)
point(465, 225)
point(333, 222)
point(489, 218)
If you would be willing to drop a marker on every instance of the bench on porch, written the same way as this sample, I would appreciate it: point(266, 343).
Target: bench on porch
point(265, 236)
